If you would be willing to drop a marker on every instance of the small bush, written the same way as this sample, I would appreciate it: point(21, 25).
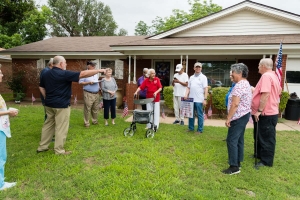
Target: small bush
point(168, 96)
point(284, 97)
point(218, 99)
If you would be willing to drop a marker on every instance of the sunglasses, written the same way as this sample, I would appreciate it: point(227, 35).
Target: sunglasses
point(198, 67)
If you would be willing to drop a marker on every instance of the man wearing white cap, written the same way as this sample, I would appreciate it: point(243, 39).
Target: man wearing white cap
point(179, 83)
point(198, 90)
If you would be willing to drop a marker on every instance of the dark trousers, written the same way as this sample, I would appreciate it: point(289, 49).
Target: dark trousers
point(109, 105)
point(235, 140)
point(144, 107)
point(266, 140)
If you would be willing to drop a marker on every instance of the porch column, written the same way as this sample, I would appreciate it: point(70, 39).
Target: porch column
point(181, 59)
point(271, 56)
point(264, 56)
point(186, 63)
point(134, 69)
point(129, 70)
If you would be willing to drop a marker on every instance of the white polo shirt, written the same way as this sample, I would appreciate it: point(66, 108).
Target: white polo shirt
point(197, 87)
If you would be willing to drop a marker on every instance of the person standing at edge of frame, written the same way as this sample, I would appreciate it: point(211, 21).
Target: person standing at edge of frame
point(264, 110)
point(90, 96)
point(179, 83)
point(4, 132)
point(198, 90)
point(142, 93)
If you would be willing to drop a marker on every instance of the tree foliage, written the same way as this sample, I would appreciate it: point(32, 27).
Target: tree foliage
point(178, 18)
point(21, 22)
point(82, 18)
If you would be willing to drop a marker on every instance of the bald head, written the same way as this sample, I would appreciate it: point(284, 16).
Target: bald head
point(267, 63)
point(60, 61)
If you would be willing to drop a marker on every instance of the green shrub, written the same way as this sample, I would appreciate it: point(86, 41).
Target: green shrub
point(168, 96)
point(284, 97)
point(218, 99)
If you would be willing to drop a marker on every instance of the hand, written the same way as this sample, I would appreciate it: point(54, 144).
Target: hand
point(91, 83)
point(13, 113)
point(204, 103)
point(227, 123)
point(135, 95)
point(154, 94)
point(176, 81)
point(256, 116)
point(185, 97)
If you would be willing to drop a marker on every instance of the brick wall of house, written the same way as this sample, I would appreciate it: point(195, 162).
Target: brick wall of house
point(7, 71)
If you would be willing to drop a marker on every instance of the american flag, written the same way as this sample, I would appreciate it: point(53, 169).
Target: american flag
point(75, 99)
point(125, 111)
point(279, 63)
point(209, 113)
point(205, 116)
point(163, 113)
point(32, 98)
point(101, 104)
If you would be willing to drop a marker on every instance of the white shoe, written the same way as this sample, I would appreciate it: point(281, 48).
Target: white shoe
point(8, 185)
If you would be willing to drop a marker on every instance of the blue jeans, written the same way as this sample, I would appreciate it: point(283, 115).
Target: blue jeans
point(2, 156)
point(235, 140)
point(198, 109)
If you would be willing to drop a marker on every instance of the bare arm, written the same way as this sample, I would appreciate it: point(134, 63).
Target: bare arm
point(205, 96)
point(43, 92)
point(88, 73)
point(262, 104)
point(187, 92)
point(233, 107)
point(182, 83)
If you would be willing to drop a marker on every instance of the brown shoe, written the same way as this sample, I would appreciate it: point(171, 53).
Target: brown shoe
point(198, 133)
point(65, 153)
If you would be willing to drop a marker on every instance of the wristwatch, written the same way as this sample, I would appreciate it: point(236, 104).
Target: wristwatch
point(259, 110)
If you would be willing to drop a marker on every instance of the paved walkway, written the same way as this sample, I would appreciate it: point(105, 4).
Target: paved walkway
point(287, 125)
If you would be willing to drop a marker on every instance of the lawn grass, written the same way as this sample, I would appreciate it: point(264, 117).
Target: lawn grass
point(172, 165)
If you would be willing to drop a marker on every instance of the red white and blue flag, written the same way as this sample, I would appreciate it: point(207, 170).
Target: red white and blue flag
point(125, 111)
point(278, 63)
point(32, 97)
point(163, 113)
point(209, 112)
point(75, 99)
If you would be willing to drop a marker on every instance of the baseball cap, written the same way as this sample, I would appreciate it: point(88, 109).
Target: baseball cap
point(178, 67)
point(198, 64)
point(91, 63)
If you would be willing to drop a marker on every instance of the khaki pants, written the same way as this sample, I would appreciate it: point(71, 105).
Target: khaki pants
point(57, 123)
point(177, 104)
point(91, 106)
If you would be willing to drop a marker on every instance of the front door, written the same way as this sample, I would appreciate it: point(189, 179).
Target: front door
point(162, 69)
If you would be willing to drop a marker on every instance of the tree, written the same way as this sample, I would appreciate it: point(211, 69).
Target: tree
point(122, 32)
point(21, 23)
point(178, 17)
point(82, 18)
point(12, 14)
point(142, 29)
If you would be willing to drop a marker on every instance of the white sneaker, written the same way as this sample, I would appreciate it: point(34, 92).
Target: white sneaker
point(8, 185)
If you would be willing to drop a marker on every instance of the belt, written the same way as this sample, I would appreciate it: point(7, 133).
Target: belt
point(91, 92)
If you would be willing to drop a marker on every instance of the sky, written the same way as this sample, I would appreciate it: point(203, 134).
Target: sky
point(127, 13)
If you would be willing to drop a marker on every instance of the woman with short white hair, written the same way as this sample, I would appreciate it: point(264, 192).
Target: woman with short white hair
point(153, 86)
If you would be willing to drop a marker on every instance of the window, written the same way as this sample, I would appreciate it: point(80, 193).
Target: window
point(108, 64)
point(217, 72)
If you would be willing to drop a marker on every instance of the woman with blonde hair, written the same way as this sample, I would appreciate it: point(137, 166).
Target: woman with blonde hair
point(109, 88)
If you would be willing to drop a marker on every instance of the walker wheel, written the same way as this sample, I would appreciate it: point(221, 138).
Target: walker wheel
point(149, 133)
point(134, 128)
point(128, 132)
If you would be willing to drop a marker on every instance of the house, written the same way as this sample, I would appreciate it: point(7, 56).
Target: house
point(245, 32)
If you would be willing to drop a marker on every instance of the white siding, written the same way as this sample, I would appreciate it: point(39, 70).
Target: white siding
point(242, 23)
point(293, 64)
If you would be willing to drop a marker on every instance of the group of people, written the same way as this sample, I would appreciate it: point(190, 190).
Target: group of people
point(242, 101)
point(262, 104)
